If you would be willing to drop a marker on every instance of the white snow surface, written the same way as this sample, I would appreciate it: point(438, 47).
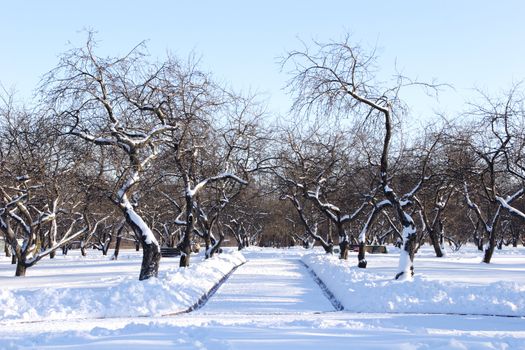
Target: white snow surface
point(271, 302)
point(175, 290)
point(264, 286)
point(367, 290)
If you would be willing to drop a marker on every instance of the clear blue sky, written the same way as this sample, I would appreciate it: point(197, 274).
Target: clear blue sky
point(465, 43)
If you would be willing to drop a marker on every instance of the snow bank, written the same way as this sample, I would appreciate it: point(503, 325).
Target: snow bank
point(360, 290)
point(175, 290)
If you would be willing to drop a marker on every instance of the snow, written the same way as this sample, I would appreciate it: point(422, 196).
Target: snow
point(287, 288)
point(174, 291)
point(455, 290)
point(270, 302)
point(137, 220)
point(505, 204)
point(404, 271)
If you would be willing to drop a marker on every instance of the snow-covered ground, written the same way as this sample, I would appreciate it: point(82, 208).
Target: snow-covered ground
point(74, 287)
point(271, 302)
point(455, 284)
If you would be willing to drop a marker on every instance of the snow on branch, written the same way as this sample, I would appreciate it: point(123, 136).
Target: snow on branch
point(329, 209)
point(224, 176)
point(351, 217)
point(506, 203)
point(102, 141)
point(414, 190)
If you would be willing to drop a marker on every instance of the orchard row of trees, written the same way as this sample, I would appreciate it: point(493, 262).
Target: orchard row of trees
point(120, 148)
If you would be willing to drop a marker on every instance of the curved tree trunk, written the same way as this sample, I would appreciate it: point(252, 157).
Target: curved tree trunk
point(150, 246)
point(117, 248)
point(83, 249)
point(208, 242)
point(216, 246)
point(327, 246)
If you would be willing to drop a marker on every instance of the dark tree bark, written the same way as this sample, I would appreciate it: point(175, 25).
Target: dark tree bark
point(435, 235)
point(7, 251)
point(361, 261)
point(20, 269)
point(117, 243)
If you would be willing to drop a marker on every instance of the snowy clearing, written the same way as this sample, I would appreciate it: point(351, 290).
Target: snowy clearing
point(271, 302)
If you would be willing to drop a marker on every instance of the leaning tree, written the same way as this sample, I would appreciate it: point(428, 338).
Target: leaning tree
point(120, 103)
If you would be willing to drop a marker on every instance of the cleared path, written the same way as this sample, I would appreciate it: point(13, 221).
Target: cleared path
point(269, 286)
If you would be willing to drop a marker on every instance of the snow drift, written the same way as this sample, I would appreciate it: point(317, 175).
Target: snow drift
point(175, 290)
point(360, 290)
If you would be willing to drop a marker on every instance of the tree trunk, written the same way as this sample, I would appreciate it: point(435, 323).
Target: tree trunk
point(480, 243)
point(13, 259)
point(150, 246)
point(361, 256)
point(106, 245)
point(185, 248)
point(185, 256)
point(207, 244)
point(328, 247)
point(343, 250)
point(434, 234)
point(489, 250)
point(150, 261)
point(7, 251)
point(117, 248)
point(406, 256)
point(216, 246)
point(344, 245)
point(20, 269)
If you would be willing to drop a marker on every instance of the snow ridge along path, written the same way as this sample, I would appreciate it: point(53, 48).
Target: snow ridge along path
point(269, 286)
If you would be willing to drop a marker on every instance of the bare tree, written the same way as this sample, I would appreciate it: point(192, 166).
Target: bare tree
point(37, 201)
point(211, 156)
point(115, 102)
point(498, 170)
point(338, 80)
point(316, 167)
